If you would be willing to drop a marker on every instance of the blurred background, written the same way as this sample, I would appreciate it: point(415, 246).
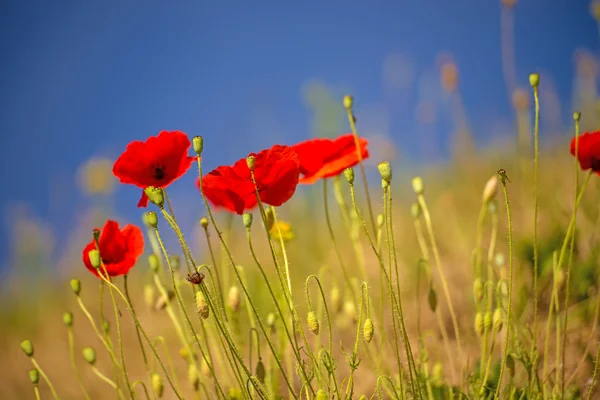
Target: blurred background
point(434, 82)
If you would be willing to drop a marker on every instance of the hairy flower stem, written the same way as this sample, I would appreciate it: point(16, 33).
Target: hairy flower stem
point(45, 377)
point(536, 261)
point(115, 364)
point(216, 267)
point(594, 376)
point(169, 360)
point(71, 340)
point(503, 179)
point(229, 255)
point(490, 282)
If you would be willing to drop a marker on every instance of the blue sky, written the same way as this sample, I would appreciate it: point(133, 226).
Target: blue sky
point(83, 78)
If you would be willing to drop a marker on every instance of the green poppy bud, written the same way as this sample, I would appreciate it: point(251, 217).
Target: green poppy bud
point(313, 322)
point(76, 286)
point(198, 143)
point(27, 348)
point(89, 355)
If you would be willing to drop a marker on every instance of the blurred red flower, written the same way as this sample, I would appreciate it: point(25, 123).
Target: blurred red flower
point(157, 162)
point(324, 158)
point(588, 152)
point(276, 171)
point(119, 249)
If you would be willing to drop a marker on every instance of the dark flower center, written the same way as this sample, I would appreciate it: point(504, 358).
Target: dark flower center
point(105, 261)
point(595, 164)
point(158, 172)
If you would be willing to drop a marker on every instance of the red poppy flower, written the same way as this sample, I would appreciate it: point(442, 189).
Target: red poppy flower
point(588, 151)
point(157, 162)
point(324, 158)
point(276, 171)
point(119, 249)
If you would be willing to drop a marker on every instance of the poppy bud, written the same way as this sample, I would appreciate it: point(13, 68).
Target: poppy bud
point(490, 189)
point(313, 322)
point(201, 305)
point(235, 394)
point(576, 116)
point(384, 184)
point(534, 80)
point(27, 348)
point(385, 170)
point(194, 377)
point(348, 102)
point(175, 262)
point(270, 218)
point(34, 376)
point(204, 222)
point(76, 286)
point(336, 299)
point(497, 319)
point(250, 161)
point(415, 210)
point(510, 365)
point(156, 196)
point(234, 298)
point(260, 371)
point(152, 219)
point(247, 218)
point(349, 174)
point(94, 256)
point(157, 385)
point(271, 321)
point(363, 397)
point(149, 295)
point(417, 184)
point(479, 324)
point(499, 260)
point(432, 299)
point(68, 319)
point(321, 395)
point(198, 143)
point(89, 355)
point(350, 311)
point(154, 263)
point(478, 289)
point(487, 321)
point(106, 327)
point(368, 330)
point(380, 221)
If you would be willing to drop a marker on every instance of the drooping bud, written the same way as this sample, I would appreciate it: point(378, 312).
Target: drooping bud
point(154, 263)
point(349, 174)
point(76, 286)
point(497, 319)
point(89, 355)
point(247, 219)
point(202, 305)
point(68, 319)
point(149, 297)
point(487, 321)
point(198, 143)
point(368, 330)
point(34, 376)
point(385, 170)
point(478, 290)
point(432, 299)
point(157, 385)
point(479, 324)
point(348, 102)
point(313, 322)
point(250, 161)
point(336, 299)
point(260, 371)
point(415, 210)
point(193, 377)
point(152, 219)
point(490, 189)
point(94, 256)
point(233, 298)
point(204, 222)
point(27, 348)
point(417, 184)
point(510, 365)
point(269, 218)
point(534, 80)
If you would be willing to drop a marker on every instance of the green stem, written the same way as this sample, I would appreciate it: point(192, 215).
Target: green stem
point(143, 385)
point(216, 268)
point(71, 339)
point(594, 376)
point(105, 378)
point(36, 391)
point(43, 374)
point(535, 218)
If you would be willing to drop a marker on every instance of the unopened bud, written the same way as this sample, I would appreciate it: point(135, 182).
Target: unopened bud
point(487, 321)
point(490, 189)
point(336, 299)
point(349, 174)
point(492, 207)
point(417, 184)
point(250, 161)
point(234, 394)
point(94, 256)
point(89, 355)
point(497, 319)
point(156, 196)
point(198, 143)
point(380, 221)
point(415, 210)
point(479, 324)
point(510, 365)
point(499, 260)
point(27, 348)
point(478, 289)
point(384, 184)
point(321, 395)
point(368, 330)
point(432, 299)
point(204, 222)
point(559, 278)
point(269, 218)
point(247, 219)
point(152, 219)
point(233, 298)
point(363, 397)
point(534, 80)
point(202, 305)
point(502, 288)
point(271, 321)
point(154, 263)
point(194, 377)
point(385, 170)
point(149, 298)
point(576, 116)
point(313, 322)
point(68, 319)
point(157, 385)
point(260, 371)
point(106, 327)
point(34, 376)
point(348, 102)
point(76, 286)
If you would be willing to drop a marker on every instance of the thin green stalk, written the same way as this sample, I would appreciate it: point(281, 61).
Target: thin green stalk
point(216, 267)
point(535, 217)
point(594, 376)
point(503, 179)
point(36, 391)
point(169, 360)
point(43, 374)
point(103, 321)
point(549, 321)
point(143, 385)
point(71, 340)
point(490, 278)
point(105, 378)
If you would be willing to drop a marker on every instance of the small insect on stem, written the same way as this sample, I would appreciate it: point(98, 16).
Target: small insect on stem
point(195, 278)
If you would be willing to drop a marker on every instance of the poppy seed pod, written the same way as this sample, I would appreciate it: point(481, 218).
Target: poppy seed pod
point(349, 174)
point(68, 319)
point(490, 189)
point(313, 322)
point(152, 219)
point(385, 170)
point(576, 116)
point(204, 222)
point(154, 263)
point(193, 377)
point(417, 185)
point(202, 305)
point(250, 162)
point(198, 144)
point(534, 80)
point(27, 348)
point(76, 286)
point(348, 102)
point(157, 385)
point(89, 355)
point(234, 298)
point(34, 376)
point(94, 256)
point(368, 330)
point(247, 219)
